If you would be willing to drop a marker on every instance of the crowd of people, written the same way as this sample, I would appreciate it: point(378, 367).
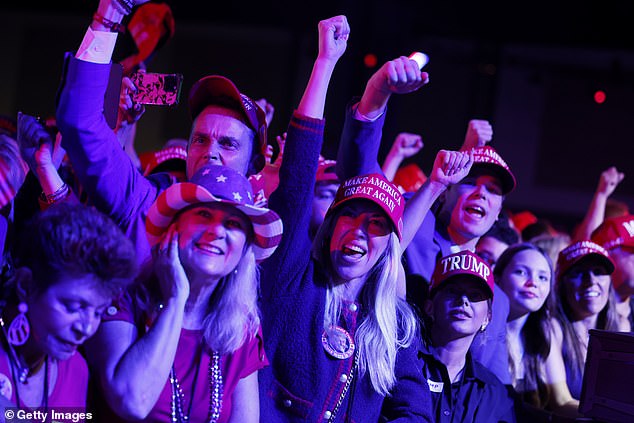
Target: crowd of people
point(215, 281)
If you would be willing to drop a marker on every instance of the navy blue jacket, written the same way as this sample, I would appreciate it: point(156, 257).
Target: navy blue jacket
point(360, 142)
point(303, 383)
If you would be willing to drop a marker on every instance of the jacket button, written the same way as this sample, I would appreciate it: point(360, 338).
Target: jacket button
point(327, 415)
point(343, 378)
point(352, 307)
point(287, 403)
point(446, 412)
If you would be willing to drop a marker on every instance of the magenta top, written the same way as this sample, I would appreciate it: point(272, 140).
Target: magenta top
point(71, 384)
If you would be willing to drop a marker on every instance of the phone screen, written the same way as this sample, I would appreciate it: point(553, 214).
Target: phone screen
point(157, 88)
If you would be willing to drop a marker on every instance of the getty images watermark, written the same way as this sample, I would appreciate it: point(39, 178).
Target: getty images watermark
point(50, 415)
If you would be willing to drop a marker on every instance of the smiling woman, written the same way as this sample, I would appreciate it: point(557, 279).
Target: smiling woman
point(71, 262)
point(586, 301)
point(192, 347)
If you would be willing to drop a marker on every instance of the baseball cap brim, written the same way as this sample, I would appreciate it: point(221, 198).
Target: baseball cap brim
point(218, 90)
point(507, 179)
point(267, 225)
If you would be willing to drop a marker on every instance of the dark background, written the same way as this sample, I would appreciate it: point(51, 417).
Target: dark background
point(530, 68)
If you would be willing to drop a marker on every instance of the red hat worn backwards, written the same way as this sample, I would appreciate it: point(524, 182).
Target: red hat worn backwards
point(615, 232)
point(463, 263)
point(486, 157)
point(578, 251)
point(220, 91)
point(213, 183)
point(375, 188)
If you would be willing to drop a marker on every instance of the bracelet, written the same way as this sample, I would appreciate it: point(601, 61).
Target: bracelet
point(112, 26)
point(124, 6)
point(58, 195)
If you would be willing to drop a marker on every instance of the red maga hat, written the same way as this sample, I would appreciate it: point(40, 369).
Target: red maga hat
point(375, 188)
point(220, 91)
point(463, 263)
point(487, 158)
point(582, 250)
point(615, 232)
point(213, 183)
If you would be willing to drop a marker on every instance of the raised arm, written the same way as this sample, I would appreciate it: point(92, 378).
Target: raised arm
point(333, 39)
point(449, 168)
point(479, 133)
point(361, 135)
point(608, 181)
point(405, 145)
point(293, 198)
point(112, 181)
point(44, 156)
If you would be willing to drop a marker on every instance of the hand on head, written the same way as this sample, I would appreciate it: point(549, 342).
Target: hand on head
point(168, 268)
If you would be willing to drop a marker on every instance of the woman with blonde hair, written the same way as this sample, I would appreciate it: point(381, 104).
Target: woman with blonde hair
point(186, 346)
point(343, 345)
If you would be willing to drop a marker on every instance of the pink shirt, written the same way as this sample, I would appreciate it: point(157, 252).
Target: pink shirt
point(247, 359)
point(70, 387)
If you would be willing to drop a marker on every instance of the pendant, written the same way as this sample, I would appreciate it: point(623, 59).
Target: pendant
point(337, 342)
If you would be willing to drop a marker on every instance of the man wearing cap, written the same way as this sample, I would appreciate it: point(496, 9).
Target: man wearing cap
point(228, 129)
point(459, 306)
point(617, 236)
point(465, 212)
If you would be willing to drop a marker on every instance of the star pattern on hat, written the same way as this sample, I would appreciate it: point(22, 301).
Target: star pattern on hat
point(222, 179)
point(237, 196)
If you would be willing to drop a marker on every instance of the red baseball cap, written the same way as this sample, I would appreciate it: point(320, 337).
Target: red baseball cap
point(213, 183)
point(487, 158)
point(463, 263)
point(326, 171)
point(174, 150)
point(615, 232)
point(376, 188)
point(582, 250)
point(220, 91)
point(410, 177)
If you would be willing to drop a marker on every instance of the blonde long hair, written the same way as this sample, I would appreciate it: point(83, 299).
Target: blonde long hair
point(232, 317)
point(390, 323)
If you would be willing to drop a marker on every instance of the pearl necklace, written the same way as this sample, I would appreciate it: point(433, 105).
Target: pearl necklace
point(215, 393)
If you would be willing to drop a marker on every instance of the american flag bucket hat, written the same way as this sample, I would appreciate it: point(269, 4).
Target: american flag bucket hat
point(213, 183)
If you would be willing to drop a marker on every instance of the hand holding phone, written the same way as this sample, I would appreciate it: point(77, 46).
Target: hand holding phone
point(157, 88)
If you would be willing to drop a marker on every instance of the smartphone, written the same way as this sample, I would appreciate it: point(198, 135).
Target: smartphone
point(160, 89)
point(420, 58)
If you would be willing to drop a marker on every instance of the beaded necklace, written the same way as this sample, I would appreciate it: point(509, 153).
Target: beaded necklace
point(215, 392)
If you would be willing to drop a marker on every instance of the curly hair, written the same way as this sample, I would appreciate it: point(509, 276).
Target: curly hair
point(72, 240)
